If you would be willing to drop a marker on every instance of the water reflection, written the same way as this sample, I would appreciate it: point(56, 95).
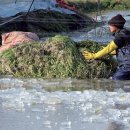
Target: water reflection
point(65, 85)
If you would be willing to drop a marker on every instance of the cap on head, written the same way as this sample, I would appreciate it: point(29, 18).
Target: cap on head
point(117, 21)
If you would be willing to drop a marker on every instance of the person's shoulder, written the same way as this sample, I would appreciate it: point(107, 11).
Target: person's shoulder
point(124, 31)
point(123, 34)
point(120, 38)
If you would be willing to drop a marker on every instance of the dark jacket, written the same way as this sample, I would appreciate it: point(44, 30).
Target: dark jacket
point(122, 40)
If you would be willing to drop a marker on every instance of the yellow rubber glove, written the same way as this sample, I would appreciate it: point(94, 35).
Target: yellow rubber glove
point(112, 53)
point(106, 50)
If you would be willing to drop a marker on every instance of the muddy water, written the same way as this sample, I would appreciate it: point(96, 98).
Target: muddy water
point(66, 104)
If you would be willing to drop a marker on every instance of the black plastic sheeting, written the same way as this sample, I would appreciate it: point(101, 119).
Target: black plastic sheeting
point(39, 16)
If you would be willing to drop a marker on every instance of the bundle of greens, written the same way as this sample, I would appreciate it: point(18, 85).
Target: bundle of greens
point(57, 57)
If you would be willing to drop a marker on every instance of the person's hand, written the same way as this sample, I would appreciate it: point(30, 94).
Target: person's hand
point(87, 55)
point(106, 50)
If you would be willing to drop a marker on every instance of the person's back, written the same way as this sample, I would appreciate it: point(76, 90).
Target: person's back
point(123, 52)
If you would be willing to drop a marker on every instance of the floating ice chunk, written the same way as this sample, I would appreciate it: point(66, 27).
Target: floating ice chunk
point(127, 119)
point(110, 100)
point(55, 123)
point(66, 124)
point(38, 118)
point(53, 101)
point(124, 113)
point(128, 109)
point(51, 108)
point(78, 92)
point(113, 114)
point(120, 90)
point(19, 106)
point(8, 105)
point(87, 106)
point(47, 124)
point(98, 118)
point(112, 94)
point(37, 110)
point(28, 117)
point(84, 120)
point(123, 97)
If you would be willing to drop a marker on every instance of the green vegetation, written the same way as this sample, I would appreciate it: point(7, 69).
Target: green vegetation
point(115, 4)
point(57, 57)
point(92, 6)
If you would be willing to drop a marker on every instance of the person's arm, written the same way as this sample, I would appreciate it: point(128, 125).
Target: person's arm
point(111, 53)
point(106, 50)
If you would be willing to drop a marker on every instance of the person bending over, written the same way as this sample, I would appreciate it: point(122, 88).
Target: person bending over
point(120, 44)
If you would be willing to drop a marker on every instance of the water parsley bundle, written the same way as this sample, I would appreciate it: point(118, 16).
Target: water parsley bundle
point(57, 57)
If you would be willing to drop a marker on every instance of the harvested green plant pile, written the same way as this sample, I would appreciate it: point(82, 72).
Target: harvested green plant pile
point(99, 68)
point(58, 57)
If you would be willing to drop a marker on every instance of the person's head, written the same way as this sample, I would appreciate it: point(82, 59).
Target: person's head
point(117, 22)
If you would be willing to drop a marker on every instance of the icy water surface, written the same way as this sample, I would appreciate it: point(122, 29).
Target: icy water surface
point(100, 34)
point(36, 104)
